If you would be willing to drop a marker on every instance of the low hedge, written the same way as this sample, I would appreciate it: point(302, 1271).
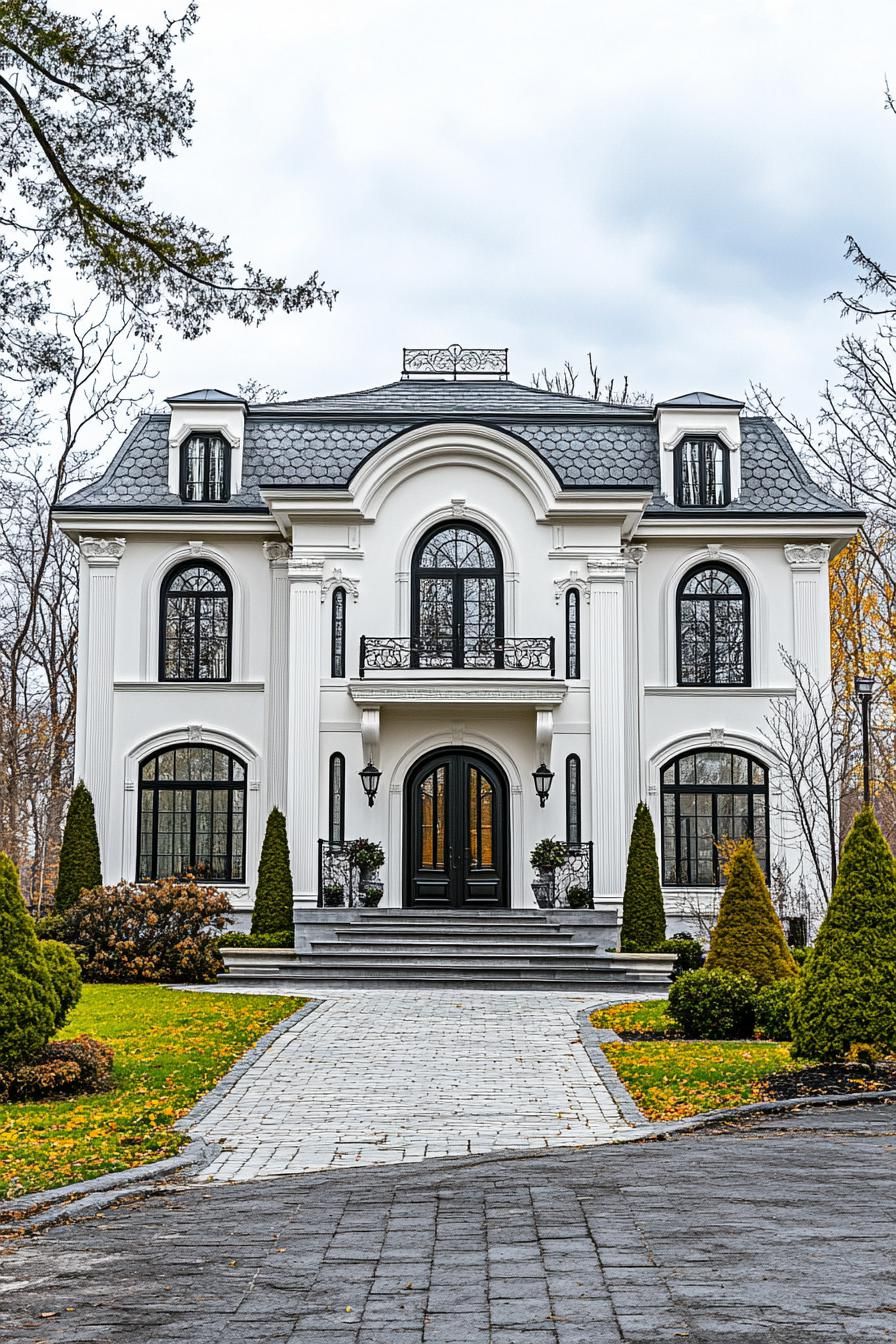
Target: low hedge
point(773, 1010)
point(688, 953)
point(714, 1005)
point(284, 939)
point(61, 1069)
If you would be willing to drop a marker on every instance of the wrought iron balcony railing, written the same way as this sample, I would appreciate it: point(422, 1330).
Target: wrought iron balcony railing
point(400, 653)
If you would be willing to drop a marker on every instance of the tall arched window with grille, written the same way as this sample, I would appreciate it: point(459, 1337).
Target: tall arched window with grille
point(195, 624)
point(337, 799)
point(457, 607)
point(713, 628)
point(573, 801)
point(192, 815)
point(709, 797)
point(573, 609)
point(337, 633)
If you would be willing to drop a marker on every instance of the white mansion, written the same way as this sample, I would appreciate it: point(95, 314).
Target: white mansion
point(458, 580)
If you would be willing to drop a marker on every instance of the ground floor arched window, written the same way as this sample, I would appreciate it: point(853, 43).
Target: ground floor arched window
point(192, 815)
point(708, 797)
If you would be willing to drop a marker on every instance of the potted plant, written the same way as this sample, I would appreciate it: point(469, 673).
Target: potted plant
point(334, 894)
point(368, 857)
point(372, 895)
point(547, 856)
point(579, 898)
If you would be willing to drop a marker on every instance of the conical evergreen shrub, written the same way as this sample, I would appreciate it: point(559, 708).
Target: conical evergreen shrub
point(643, 916)
point(273, 895)
point(748, 936)
point(28, 1005)
point(846, 993)
point(79, 857)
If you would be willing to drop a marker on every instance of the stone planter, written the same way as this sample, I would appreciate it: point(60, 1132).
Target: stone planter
point(543, 890)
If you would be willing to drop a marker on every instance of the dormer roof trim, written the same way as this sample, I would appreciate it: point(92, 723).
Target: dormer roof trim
point(205, 396)
point(701, 401)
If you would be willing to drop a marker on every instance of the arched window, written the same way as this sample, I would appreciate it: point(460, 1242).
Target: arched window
point(573, 801)
point(337, 633)
point(708, 797)
point(713, 628)
point(702, 475)
point(192, 815)
point(457, 599)
point(205, 469)
point(195, 624)
point(337, 799)
point(573, 600)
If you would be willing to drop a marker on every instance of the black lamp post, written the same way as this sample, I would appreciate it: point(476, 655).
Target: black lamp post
point(370, 778)
point(864, 692)
point(544, 778)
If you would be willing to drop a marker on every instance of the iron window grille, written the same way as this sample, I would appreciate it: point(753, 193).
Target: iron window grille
point(337, 633)
point(195, 624)
point(573, 801)
point(702, 474)
point(336, 825)
point(205, 469)
point(713, 624)
point(192, 815)
point(709, 797)
point(573, 607)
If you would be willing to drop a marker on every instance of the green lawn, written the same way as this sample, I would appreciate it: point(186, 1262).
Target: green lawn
point(673, 1078)
point(170, 1047)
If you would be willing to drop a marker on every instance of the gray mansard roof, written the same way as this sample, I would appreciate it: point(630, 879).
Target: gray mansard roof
point(322, 441)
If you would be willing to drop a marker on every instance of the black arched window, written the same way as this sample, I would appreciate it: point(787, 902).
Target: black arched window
point(195, 626)
point(205, 469)
point(702, 475)
point(713, 628)
point(573, 601)
point(337, 798)
point(337, 633)
point(573, 801)
point(457, 599)
point(708, 797)
point(192, 815)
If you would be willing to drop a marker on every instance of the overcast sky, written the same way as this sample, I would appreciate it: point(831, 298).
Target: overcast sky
point(668, 185)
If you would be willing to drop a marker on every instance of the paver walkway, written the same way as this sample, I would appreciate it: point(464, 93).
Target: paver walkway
point(397, 1076)
point(781, 1234)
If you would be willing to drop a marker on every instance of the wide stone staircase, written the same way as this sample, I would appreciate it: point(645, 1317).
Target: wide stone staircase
point(480, 949)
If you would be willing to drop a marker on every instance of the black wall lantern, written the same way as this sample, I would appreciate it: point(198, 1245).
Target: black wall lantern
point(544, 778)
point(370, 778)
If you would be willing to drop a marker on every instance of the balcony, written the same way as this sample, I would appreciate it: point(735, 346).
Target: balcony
point(400, 653)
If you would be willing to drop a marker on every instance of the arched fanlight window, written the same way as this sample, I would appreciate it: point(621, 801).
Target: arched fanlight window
point(708, 797)
point(713, 628)
point(192, 815)
point(205, 469)
point(573, 801)
point(337, 799)
point(702, 474)
point(457, 599)
point(195, 625)
point(337, 633)
point(573, 606)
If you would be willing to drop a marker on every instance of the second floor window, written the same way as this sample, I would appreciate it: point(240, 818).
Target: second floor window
point(337, 634)
point(572, 634)
point(205, 469)
point(713, 628)
point(457, 616)
point(195, 624)
point(702, 477)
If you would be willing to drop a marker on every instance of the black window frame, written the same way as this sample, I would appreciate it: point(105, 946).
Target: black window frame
point(573, 631)
point(338, 617)
point(457, 576)
point(156, 787)
point(713, 599)
point(573, 780)
point(164, 595)
point(206, 498)
point(678, 788)
point(704, 502)
point(336, 772)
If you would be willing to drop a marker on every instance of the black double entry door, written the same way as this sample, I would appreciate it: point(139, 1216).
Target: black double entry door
point(456, 832)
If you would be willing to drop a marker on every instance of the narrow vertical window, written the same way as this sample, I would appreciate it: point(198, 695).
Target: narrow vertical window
point(337, 798)
point(205, 469)
point(572, 634)
point(573, 800)
point(337, 644)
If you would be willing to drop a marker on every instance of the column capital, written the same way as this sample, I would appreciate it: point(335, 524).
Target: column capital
point(633, 555)
point(276, 552)
point(606, 567)
point(102, 550)
point(814, 556)
point(306, 568)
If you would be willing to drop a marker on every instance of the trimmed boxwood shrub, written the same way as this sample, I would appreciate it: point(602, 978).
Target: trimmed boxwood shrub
point(28, 1004)
point(773, 1009)
point(65, 975)
point(714, 1005)
point(272, 911)
point(688, 953)
point(846, 993)
point(643, 916)
point(165, 930)
point(79, 857)
point(286, 938)
point(748, 936)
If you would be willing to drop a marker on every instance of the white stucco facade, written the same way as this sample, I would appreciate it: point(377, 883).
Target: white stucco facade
point(283, 714)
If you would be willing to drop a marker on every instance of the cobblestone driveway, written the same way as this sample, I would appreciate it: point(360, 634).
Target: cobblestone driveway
point(397, 1076)
point(770, 1236)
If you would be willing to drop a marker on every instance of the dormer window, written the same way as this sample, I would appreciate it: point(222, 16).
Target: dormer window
point(702, 477)
point(205, 469)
